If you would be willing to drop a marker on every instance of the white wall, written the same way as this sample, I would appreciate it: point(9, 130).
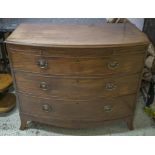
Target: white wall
point(139, 22)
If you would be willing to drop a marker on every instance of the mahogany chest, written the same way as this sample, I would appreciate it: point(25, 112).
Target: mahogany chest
point(77, 76)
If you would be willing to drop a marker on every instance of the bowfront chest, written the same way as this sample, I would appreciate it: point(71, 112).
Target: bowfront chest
point(76, 76)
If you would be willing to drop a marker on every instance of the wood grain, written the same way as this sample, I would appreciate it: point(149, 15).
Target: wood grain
point(75, 88)
point(95, 110)
point(77, 35)
point(77, 52)
point(78, 65)
point(77, 76)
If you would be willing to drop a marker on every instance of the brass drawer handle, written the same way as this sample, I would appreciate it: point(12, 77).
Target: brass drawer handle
point(113, 65)
point(107, 108)
point(44, 86)
point(46, 107)
point(110, 86)
point(42, 63)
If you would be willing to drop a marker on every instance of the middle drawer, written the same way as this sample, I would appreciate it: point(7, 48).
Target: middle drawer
point(75, 87)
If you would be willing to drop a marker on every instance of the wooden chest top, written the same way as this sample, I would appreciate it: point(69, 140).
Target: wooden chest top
point(77, 35)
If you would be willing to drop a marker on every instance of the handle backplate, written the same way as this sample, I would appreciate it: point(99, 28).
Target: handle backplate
point(110, 86)
point(42, 63)
point(46, 107)
point(107, 108)
point(113, 65)
point(44, 86)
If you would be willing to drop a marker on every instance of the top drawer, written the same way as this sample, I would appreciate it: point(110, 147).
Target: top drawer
point(77, 52)
point(99, 62)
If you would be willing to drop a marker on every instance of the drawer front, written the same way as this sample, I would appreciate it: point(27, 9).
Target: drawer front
point(96, 110)
point(77, 52)
point(77, 66)
point(75, 88)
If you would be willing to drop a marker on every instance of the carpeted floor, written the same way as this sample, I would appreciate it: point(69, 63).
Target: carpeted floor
point(9, 126)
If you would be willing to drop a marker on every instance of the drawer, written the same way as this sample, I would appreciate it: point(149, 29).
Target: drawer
point(95, 110)
point(77, 66)
point(77, 52)
point(83, 88)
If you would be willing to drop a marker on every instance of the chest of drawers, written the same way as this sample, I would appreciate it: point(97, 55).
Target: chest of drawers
point(76, 76)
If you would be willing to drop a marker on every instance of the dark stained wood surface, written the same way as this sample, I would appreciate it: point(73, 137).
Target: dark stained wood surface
point(73, 124)
point(77, 35)
point(82, 70)
point(7, 102)
point(78, 65)
point(76, 52)
point(98, 110)
point(76, 88)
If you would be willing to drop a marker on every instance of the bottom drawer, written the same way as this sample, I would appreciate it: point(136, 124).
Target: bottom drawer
point(92, 110)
